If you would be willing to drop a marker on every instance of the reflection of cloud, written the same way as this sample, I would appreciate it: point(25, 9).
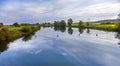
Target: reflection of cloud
point(86, 49)
point(20, 45)
point(35, 51)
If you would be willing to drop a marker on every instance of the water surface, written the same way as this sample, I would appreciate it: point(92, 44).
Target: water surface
point(66, 47)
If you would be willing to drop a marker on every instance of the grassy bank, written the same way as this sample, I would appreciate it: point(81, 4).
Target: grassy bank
point(97, 26)
point(13, 32)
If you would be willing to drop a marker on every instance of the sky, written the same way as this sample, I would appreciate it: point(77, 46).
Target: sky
point(34, 11)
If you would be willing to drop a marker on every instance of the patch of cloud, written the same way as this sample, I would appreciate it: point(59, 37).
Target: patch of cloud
point(98, 10)
point(50, 10)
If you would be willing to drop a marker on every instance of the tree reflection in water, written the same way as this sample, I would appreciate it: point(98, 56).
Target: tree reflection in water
point(4, 45)
point(118, 37)
point(70, 31)
point(28, 37)
point(88, 31)
point(81, 30)
point(62, 29)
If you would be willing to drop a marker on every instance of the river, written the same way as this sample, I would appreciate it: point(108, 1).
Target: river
point(68, 47)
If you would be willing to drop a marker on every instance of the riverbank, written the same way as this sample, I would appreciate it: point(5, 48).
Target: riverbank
point(91, 25)
point(10, 33)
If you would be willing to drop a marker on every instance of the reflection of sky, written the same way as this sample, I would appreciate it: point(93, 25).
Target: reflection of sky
point(86, 49)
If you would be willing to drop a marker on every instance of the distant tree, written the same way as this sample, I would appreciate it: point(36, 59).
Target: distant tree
point(56, 23)
point(60, 26)
point(1, 24)
point(87, 24)
point(16, 24)
point(37, 23)
point(62, 23)
point(70, 21)
point(80, 24)
point(25, 24)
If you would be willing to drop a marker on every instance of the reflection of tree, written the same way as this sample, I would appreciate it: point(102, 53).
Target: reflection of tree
point(70, 30)
point(81, 30)
point(62, 29)
point(28, 37)
point(4, 45)
point(88, 31)
point(118, 36)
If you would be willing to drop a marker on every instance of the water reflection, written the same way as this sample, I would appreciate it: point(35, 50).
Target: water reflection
point(47, 50)
point(4, 45)
point(118, 37)
point(70, 31)
point(62, 29)
point(81, 30)
point(88, 31)
point(28, 37)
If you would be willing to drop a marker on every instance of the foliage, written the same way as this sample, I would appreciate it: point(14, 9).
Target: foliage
point(26, 29)
point(59, 23)
point(70, 21)
point(80, 24)
point(1, 25)
point(117, 26)
point(16, 24)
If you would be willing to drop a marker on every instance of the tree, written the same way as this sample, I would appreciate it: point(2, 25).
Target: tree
point(87, 24)
point(62, 23)
point(16, 24)
point(80, 24)
point(1, 24)
point(56, 23)
point(70, 21)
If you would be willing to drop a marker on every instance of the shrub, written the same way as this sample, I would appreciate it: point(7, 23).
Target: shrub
point(26, 29)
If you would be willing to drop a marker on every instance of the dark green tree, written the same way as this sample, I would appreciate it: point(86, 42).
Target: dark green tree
point(80, 24)
point(70, 21)
point(16, 24)
point(62, 23)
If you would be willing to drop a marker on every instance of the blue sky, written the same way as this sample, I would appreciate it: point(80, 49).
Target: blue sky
point(33, 11)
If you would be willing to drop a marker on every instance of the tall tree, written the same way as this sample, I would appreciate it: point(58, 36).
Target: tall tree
point(1, 24)
point(62, 23)
point(80, 24)
point(16, 24)
point(70, 21)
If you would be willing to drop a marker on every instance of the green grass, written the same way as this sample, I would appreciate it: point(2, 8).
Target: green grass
point(13, 32)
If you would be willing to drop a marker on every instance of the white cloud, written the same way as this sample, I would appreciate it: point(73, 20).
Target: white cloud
point(103, 8)
point(100, 10)
point(59, 9)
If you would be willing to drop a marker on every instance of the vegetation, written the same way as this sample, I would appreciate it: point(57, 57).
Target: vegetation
point(70, 21)
point(80, 24)
point(16, 24)
point(13, 32)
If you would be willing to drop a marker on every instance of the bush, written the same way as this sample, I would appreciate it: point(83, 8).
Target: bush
point(3, 34)
point(26, 29)
point(14, 34)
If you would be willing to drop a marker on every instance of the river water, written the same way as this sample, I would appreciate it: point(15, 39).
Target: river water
point(68, 47)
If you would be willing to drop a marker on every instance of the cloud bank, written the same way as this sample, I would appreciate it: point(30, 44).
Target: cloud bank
point(33, 11)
